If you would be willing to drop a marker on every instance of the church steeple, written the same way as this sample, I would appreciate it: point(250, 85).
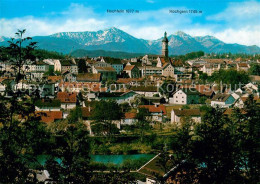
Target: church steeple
point(165, 45)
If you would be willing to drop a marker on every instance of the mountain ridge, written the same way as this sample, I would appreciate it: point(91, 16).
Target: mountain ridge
point(114, 39)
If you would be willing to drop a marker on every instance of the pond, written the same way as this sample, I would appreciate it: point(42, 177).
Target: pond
point(105, 159)
point(119, 159)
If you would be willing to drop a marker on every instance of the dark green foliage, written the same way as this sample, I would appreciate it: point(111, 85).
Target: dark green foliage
point(221, 149)
point(72, 147)
point(189, 56)
point(203, 77)
point(125, 107)
point(231, 78)
point(47, 103)
point(202, 100)
point(167, 88)
point(215, 148)
point(254, 69)
point(37, 53)
point(44, 54)
point(82, 66)
point(23, 137)
point(250, 139)
point(112, 60)
point(20, 143)
point(75, 115)
point(143, 121)
point(104, 113)
point(96, 53)
point(114, 176)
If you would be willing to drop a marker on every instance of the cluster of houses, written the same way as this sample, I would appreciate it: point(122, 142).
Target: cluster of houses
point(64, 84)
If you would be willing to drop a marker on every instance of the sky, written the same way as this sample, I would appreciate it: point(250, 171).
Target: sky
point(236, 21)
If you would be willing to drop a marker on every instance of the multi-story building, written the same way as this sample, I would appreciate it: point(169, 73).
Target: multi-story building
point(185, 96)
point(107, 73)
point(209, 69)
point(132, 71)
point(168, 70)
point(150, 70)
point(69, 65)
point(118, 67)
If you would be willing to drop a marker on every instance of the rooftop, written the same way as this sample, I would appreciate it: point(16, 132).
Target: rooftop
point(129, 67)
point(107, 69)
point(89, 77)
point(66, 62)
point(112, 60)
point(128, 80)
point(49, 116)
point(155, 108)
point(130, 115)
point(242, 65)
point(65, 97)
point(221, 97)
point(187, 112)
point(189, 91)
point(54, 78)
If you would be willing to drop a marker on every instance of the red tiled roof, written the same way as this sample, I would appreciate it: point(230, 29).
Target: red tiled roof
point(99, 68)
point(242, 65)
point(49, 116)
point(2, 79)
point(128, 80)
point(155, 108)
point(129, 67)
point(162, 60)
point(203, 89)
point(130, 115)
point(165, 64)
point(165, 60)
point(65, 97)
point(177, 63)
point(239, 59)
point(89, 77)
point(54, 78)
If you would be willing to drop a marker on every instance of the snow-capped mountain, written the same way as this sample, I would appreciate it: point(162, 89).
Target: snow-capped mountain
point(114, 39)
point(96, 38)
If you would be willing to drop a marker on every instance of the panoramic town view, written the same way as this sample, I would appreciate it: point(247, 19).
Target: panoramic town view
point(124, 92)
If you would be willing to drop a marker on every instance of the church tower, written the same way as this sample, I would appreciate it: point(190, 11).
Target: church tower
point(165, 45)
